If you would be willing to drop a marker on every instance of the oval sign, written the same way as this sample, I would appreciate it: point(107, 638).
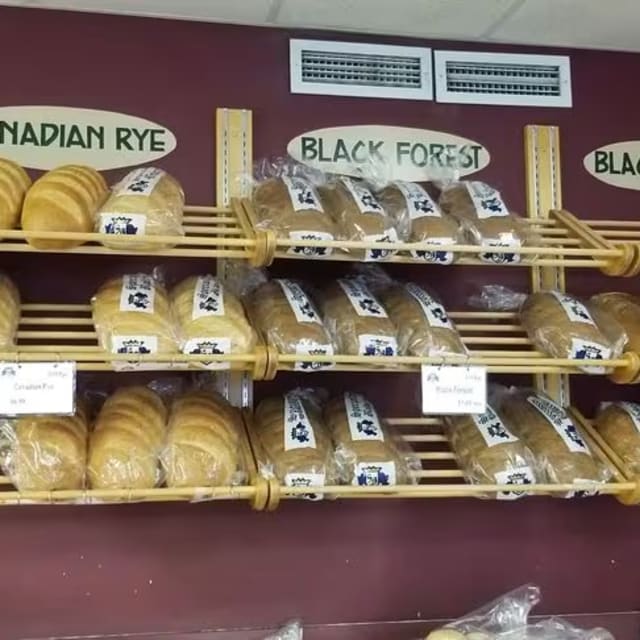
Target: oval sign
point(42, 137)
point(403, 153)
point(617, 164)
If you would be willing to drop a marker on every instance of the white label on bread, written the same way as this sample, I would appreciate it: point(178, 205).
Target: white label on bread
point(498, 257)
point(302, 194)
point(588, 350)
point(207, 346)
point(310, 252)
point(139, 182)
point(518, 476)
point(453, 390)
point(436, 257)
point(363, 301)
point(374, 474)
point(370, 344)
point(364, 423)
point(306, 480)
point(486, 200)
point(37, 388)
point(633, 411)
point(419, 203)
point(378, 253)
point(557, 417)
point(123, 224)
point(433, 311)
point(588, 489)
point(492, 429)
point(301, 305)
point(574, 309)
point(306, 348)
point(208, 298)
point(138, 293)
point(362, 196)
point(298, 430)
point(134, 345)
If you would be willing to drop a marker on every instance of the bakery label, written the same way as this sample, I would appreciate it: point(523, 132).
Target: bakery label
point(298, 431)
point(419, 203)
point(134, 345)
point(560, 421)
point(370, 344)
point(498, 257)
point(588, 350)
point(138, 293)
point(617, 164)
point(492, 429)
point(207, 346)
point(364, 423)
point(486, 200)
point(302, 307)
point(46, 137)
point(378, 253)
point(453, 390)
point(306, 348)
point(306, 480)
point(518, 476)
point(362, 300)
point(435, 256)
point(302, 194)
point(575, 310)
point(366, 202)
point(588, 490)
point(139, 182)
point(304, 250)
point(208, 298)
point(433, 311)
point(123, 224)
point(633, 411)
point(405, 153)
point(374, 474)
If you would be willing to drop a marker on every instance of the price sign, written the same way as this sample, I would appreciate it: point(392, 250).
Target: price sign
point(450, 390)
point(37, 388)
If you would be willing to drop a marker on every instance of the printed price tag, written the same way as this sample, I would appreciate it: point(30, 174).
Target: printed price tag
point(37, 387)
point(453, 389)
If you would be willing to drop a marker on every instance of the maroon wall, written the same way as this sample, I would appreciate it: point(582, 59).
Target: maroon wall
point(181, 568)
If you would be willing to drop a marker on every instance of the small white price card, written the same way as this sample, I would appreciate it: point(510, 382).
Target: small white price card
point(37, 387)
point(448, 390)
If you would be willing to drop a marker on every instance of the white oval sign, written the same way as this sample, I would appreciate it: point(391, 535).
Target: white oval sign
point(617, 164)
point(42, 137)
point(403, 153)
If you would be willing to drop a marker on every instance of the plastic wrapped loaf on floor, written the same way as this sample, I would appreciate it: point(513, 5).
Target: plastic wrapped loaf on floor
point(9, 312)
point(127, 439)
point(14, 183)
point(64, 199)
point(294, 440)
point(624, 308)
point(359, 216)
point(488, 222)
point(409, 201)
point(366, 453)
point(146, 202)
point(211, 320)
point(619, 425)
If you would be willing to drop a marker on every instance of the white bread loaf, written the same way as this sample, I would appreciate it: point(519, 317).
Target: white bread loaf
point(9, 312)
point(14, 183)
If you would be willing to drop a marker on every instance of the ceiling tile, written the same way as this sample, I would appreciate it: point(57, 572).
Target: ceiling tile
point(435, 18)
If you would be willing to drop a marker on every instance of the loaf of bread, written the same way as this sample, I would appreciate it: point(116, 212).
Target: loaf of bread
point(624, 308)
point(283, 312)
point(295, 441)
point(127, 440)
point(562, 327)
point(359, 216)
point(422, 324)
point(619, 425)
point(488, 452)
point(561, 451)
point(203, 442)
point(291, 206)
point(408, 201)
point(64, 199)
point(9, 312)
point(485, 218)
point(14, 182)
point(49, 452)
point(211, 320)
point(357, 321)
point(132, 315)
point(366, 453)
point(146, 202)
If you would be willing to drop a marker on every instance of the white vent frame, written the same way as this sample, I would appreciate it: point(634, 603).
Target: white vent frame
point(441, 57)
point(297, 85)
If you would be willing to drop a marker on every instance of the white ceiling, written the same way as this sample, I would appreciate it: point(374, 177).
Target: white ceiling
point(573, 23)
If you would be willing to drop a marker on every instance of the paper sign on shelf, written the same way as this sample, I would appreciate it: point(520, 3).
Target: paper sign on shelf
point(37, 388)
point(453, 389)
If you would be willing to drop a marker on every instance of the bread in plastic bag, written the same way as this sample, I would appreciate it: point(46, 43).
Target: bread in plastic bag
point(9, 312)
point(284, 313)
point(359, 216)
point(295, 440)
point(211, 320)
point(409, 201)
point(357, 321)
point(366, 453)
point(133, 315)
point(619, 425)
point(486, 219)
point(64, 199)
point(291, 206)
point(127, 440)
point(203, 446)
point(624, 308)
point(146, 202)
point(14, 182)
point(562, 453)
point(563, 327)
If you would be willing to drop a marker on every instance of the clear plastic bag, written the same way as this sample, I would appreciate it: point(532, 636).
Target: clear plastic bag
point(619, 425)
point(624, 308)
point(291, 631)
point(146, 202)
point(9, 313)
